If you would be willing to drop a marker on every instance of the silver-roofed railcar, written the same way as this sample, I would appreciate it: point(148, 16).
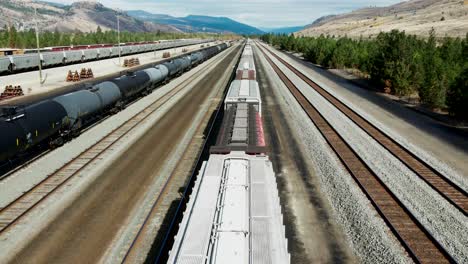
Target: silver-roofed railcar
point(244, 91)
point(233, 214)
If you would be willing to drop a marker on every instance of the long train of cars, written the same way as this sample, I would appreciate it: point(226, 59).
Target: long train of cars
point(56, 120)
point(63, 56)
point(233, 214)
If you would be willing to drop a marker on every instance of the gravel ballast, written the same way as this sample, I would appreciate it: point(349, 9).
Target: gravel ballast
point(371, 114)
point(441, 219)
point(366, 232)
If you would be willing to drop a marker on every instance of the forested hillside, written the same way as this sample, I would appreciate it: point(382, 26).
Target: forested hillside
point(435, 70)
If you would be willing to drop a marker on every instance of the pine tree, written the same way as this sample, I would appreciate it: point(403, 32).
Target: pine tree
point(12, 37)
point(433, 90)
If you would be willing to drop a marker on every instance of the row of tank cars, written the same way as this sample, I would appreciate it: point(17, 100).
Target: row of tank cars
point(53, 121)
point(57, 57)
point(233, 214)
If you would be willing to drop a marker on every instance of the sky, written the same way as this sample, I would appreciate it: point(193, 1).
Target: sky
point(258, 13)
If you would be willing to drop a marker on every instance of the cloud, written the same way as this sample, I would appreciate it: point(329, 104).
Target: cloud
point(260, 13)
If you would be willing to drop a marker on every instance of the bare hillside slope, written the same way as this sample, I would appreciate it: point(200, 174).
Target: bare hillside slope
point(83, 16)
point(447, 17)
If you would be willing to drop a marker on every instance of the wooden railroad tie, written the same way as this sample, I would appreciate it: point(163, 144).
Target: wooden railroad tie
point(90, 73)
point(70, 76)
point(76, 77)
point(131, 62)
point(11, 91)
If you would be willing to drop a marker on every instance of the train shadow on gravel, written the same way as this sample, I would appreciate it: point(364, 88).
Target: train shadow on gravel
point(161, 237)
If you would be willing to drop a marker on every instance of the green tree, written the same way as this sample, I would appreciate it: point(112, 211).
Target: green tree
point(433, 89)
point(12, 37)
point(457, 100)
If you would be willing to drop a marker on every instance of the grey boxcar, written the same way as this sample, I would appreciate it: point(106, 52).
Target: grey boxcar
point(26, 61)
point(90, 54)
point(52, 58)
point(105, 52)
point(5, 63)
point(74, 55)
point(126, 50)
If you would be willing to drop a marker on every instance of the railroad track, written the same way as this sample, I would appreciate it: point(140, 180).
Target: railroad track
point(45, 152)
point(12, 213)
point(446, 188)
point(418, 242)
point(158, 201)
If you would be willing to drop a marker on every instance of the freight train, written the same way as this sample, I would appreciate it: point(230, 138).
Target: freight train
point(233, 214)
point(63, 56)
point(55, 120)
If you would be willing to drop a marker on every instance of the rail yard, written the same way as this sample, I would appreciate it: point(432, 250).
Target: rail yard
point(209, 151)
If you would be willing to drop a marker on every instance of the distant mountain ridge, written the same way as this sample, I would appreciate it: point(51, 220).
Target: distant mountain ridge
point(87, 16)
point(196, 23)
point(282, 30)
point(84, 16)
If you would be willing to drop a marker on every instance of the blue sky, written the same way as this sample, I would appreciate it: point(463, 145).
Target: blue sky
point(259, 13)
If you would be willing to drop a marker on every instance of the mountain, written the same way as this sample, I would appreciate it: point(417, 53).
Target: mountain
point(283, 30)
point(447, 17)
point(193, 23)
point(82, 16)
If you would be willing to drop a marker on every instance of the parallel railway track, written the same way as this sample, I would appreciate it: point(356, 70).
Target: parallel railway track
point(157, 202)
point(448, 189)
point(418, 242)
point(12, 213)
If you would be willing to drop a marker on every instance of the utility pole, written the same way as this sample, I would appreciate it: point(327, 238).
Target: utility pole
point(41, 81)
point(118, 38)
